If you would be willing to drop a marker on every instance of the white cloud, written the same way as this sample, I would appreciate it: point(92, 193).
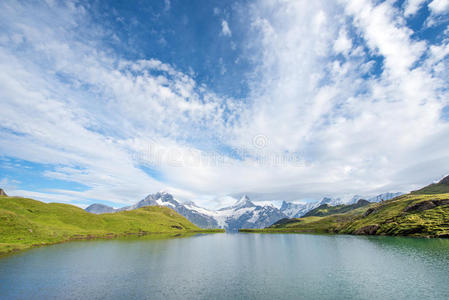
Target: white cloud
point(225, 28)
point(167, 5)
point(439, 6)
point(343, 44)
point(411, 7)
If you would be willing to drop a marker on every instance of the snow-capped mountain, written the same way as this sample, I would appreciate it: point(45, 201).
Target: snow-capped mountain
point(384, 196)
point(166, 199)
point(243, 214)
point(246, 214)
point(297, 210)
point(378, 198)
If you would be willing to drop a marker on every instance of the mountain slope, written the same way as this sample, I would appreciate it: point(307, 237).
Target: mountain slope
point(243, 213)
point(435, 188)
point(297, 210)
point(326, 209)
point(26, 222)
point(411, 215)
point(188, 211)
point(97, 208)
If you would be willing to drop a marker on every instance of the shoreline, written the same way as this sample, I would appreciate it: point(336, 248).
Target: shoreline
point(109, 236)
point(249, 230)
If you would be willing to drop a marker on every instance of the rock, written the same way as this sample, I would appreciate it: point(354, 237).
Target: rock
point(2, 193)
point(445, 180)
point(370, 230)
point(411, 230)
point(425, 205)
point(369, 211)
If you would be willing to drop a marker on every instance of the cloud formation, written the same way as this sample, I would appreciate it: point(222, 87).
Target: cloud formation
point(344, 99)
point(225, 28)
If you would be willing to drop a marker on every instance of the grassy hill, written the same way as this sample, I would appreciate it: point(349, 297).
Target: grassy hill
point(435, 188)
point(326, 209)
point(409, 215)
point(25, 223)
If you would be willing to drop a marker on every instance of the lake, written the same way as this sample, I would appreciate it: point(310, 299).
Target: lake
point(232, 266)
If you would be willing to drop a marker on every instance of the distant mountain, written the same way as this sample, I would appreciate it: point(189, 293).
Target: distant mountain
point(384, 197)
point(378, 198)
point(2, 193)
point(326, 209)
point(297, 210)
point(435, 188)
point(418, 215)
point(330, 201)
point(243, 213)
point(190, 211)
point(97, 208)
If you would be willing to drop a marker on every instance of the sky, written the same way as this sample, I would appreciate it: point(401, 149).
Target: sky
point(109, 101)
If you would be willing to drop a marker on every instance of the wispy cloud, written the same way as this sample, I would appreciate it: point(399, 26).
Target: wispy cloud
point(225, 28)
point(439, 6)
point(411, 7)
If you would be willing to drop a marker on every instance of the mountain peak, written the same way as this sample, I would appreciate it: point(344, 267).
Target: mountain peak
point(445, 180)
point(284, 205)
point(98, 208)
point(2, 193)
point(162, 193)
point(243, 202)
point(435, 188)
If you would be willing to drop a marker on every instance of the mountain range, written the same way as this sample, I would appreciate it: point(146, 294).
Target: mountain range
point(242, 214)
point(421, 213)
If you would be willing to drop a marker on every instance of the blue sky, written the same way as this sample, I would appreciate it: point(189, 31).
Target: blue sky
point(283, 100)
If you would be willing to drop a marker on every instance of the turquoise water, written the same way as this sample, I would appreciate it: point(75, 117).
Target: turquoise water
point(232, 266)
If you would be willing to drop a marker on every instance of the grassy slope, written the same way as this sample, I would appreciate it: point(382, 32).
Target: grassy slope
point(26, 222)
point(326, 210)
point(435, 188)
point(387, 218)
point(441, 187)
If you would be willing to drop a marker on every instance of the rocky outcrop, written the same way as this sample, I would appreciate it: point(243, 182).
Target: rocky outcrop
point(367, 230)
point(369, 211)
point(445, 180)
point(425, 205)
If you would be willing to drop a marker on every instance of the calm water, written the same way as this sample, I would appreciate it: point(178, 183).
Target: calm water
point(232, 266)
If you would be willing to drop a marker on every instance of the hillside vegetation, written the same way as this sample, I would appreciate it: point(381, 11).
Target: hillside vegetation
point(326, 209)
point(25, 223)
point(435, 188)
point(420, 215)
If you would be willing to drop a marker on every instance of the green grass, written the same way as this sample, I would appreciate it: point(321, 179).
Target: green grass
point(435, 188)
point(326, 210)
point(26, 223)
point(441, 187)
point(392, 217)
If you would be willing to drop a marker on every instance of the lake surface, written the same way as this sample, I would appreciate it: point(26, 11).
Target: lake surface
point(232, 266)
